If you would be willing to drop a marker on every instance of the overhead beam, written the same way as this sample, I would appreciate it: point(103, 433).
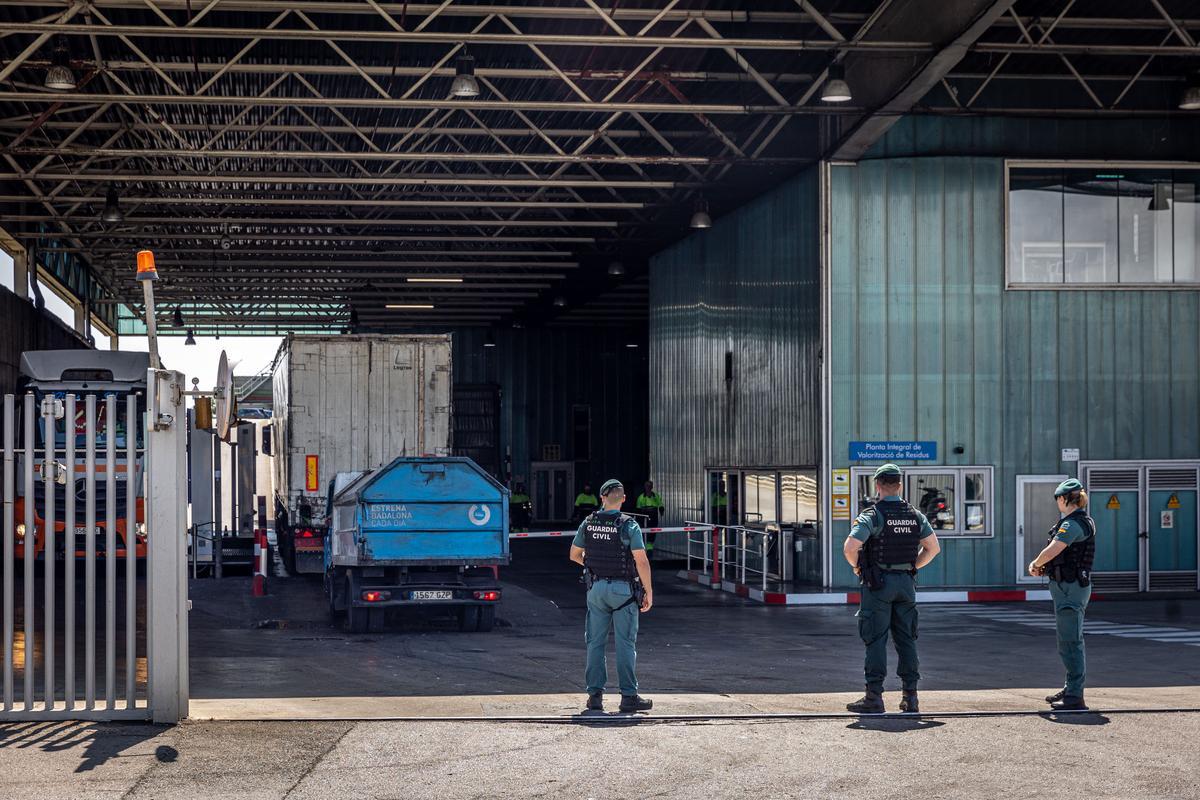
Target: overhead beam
point(906, 90)
point(452, 37)
point(332, 156)
point(424, 103)
point(294, 179)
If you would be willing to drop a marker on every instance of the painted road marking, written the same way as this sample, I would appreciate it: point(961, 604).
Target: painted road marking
point(1093, 627)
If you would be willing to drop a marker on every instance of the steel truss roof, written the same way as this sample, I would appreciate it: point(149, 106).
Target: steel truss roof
point(293, 161)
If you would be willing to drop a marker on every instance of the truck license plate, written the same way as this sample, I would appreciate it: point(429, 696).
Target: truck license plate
point(432, 595)
point(83, 532)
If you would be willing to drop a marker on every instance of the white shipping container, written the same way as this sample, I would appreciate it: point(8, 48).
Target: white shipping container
point(355, 403)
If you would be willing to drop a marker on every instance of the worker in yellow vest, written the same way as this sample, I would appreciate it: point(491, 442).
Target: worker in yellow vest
point(650, 504)
point(585, 503)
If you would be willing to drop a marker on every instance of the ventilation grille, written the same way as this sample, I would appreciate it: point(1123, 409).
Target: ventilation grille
point(1115, 581)
point(1172, 581)
point(1167, 478)
point(1112, 479)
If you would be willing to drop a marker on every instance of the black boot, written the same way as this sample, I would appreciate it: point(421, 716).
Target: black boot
point(908, 704)
point(870, 703)
point(635, 702)
point(1070, 702)
point(1056, 697)
point(596, 701)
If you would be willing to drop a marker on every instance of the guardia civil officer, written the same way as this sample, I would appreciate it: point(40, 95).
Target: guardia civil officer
point(887, 544)
point(1067, 562)
point(609, 545)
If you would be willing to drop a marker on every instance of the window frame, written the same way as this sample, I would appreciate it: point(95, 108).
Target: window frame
point(960, 502)
point(1012, 286)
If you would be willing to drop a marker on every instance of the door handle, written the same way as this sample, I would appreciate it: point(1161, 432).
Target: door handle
point(1144, 535)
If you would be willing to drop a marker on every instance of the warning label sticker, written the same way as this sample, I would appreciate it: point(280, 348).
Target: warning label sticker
point(1113, 503)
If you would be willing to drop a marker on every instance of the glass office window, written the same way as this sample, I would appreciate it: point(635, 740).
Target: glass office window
point(1035, 219)
point(956, 500)
point(1079, 226)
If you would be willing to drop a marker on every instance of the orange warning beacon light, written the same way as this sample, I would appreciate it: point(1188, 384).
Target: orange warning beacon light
point(145, 266)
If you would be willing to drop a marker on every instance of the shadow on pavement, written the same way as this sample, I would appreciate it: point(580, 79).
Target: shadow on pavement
point(100, 742)
point(894, 724)
point(1075, 718)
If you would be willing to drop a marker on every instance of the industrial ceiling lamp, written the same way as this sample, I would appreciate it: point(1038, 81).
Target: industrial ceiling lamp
point(465, 84)
point(490, 341)
point(836, 90)
point(560, 302)
point(616, 269)
point(177, 318)
point(1190, 100)
point(112, 206)
point(190, 340)
point(59, 77)
point(700, 217)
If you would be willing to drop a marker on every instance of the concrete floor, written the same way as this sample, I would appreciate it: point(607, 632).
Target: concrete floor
point(1118, 756)
point(699, 652)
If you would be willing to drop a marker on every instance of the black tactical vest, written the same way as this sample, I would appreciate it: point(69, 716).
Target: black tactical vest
point(900, 539)
point(1074, 565)
point(604, 554)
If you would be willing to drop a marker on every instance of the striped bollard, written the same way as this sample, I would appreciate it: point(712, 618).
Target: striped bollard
point(260, 563)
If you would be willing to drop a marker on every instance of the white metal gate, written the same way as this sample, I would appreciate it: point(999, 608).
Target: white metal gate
point(94, 592)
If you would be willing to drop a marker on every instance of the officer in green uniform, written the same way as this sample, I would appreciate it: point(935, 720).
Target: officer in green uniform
point(609, 546)
point(520, 508)
point(585, 502)
point(1067, 562)
point(887, 544)
point(650, 504)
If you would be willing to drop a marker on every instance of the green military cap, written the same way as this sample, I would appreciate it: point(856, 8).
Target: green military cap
point(1068, 486)
point(889, 470)
point(609, 485)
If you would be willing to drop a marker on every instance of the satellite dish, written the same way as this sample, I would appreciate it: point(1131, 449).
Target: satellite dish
point(224, 394)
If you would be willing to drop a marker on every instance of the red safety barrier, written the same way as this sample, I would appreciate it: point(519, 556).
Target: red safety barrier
point(260, 563)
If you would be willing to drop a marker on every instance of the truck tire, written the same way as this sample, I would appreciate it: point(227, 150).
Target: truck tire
point(468, 618)
point(287, 553)
point(487, 618)
point(358, 619)
point(335, 613)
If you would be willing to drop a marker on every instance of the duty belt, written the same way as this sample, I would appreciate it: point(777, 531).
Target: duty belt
point(897, 567)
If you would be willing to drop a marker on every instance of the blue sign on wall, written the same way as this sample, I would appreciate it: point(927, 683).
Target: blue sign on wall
point(893, 451)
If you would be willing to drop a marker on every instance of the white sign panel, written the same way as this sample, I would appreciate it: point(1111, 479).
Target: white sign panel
point(1070, 454)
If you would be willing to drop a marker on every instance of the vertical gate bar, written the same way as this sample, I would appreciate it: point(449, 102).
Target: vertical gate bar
point(110, 550)
point(69, 555)
point(10, 491)
point(50, 519)
point(30, 545)
point(89, 558)
point(132, 428)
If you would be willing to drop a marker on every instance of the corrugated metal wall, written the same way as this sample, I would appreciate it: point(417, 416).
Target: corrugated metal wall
point(544, 372)
point(748, 286)
point(24, 328)
point(927, 344)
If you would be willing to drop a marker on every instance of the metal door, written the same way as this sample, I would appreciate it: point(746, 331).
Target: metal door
point(1146, 523)
point(89, 492)
point(1036, 514)
point(1172, 522)
point(553, 490)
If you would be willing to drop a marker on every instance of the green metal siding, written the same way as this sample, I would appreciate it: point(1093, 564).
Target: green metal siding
point(927, 344)
point(749, 286)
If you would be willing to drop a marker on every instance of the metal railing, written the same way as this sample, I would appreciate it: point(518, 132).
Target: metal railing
point(61, 504)
point(731, 552)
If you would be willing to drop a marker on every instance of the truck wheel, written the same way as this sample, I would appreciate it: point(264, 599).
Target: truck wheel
point(487, 618)
point(468, 618)
point(287, 554)
point(335, 614)
point(357, 618)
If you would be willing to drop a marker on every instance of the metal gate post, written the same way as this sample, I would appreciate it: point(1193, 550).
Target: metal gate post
point(166, 535)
